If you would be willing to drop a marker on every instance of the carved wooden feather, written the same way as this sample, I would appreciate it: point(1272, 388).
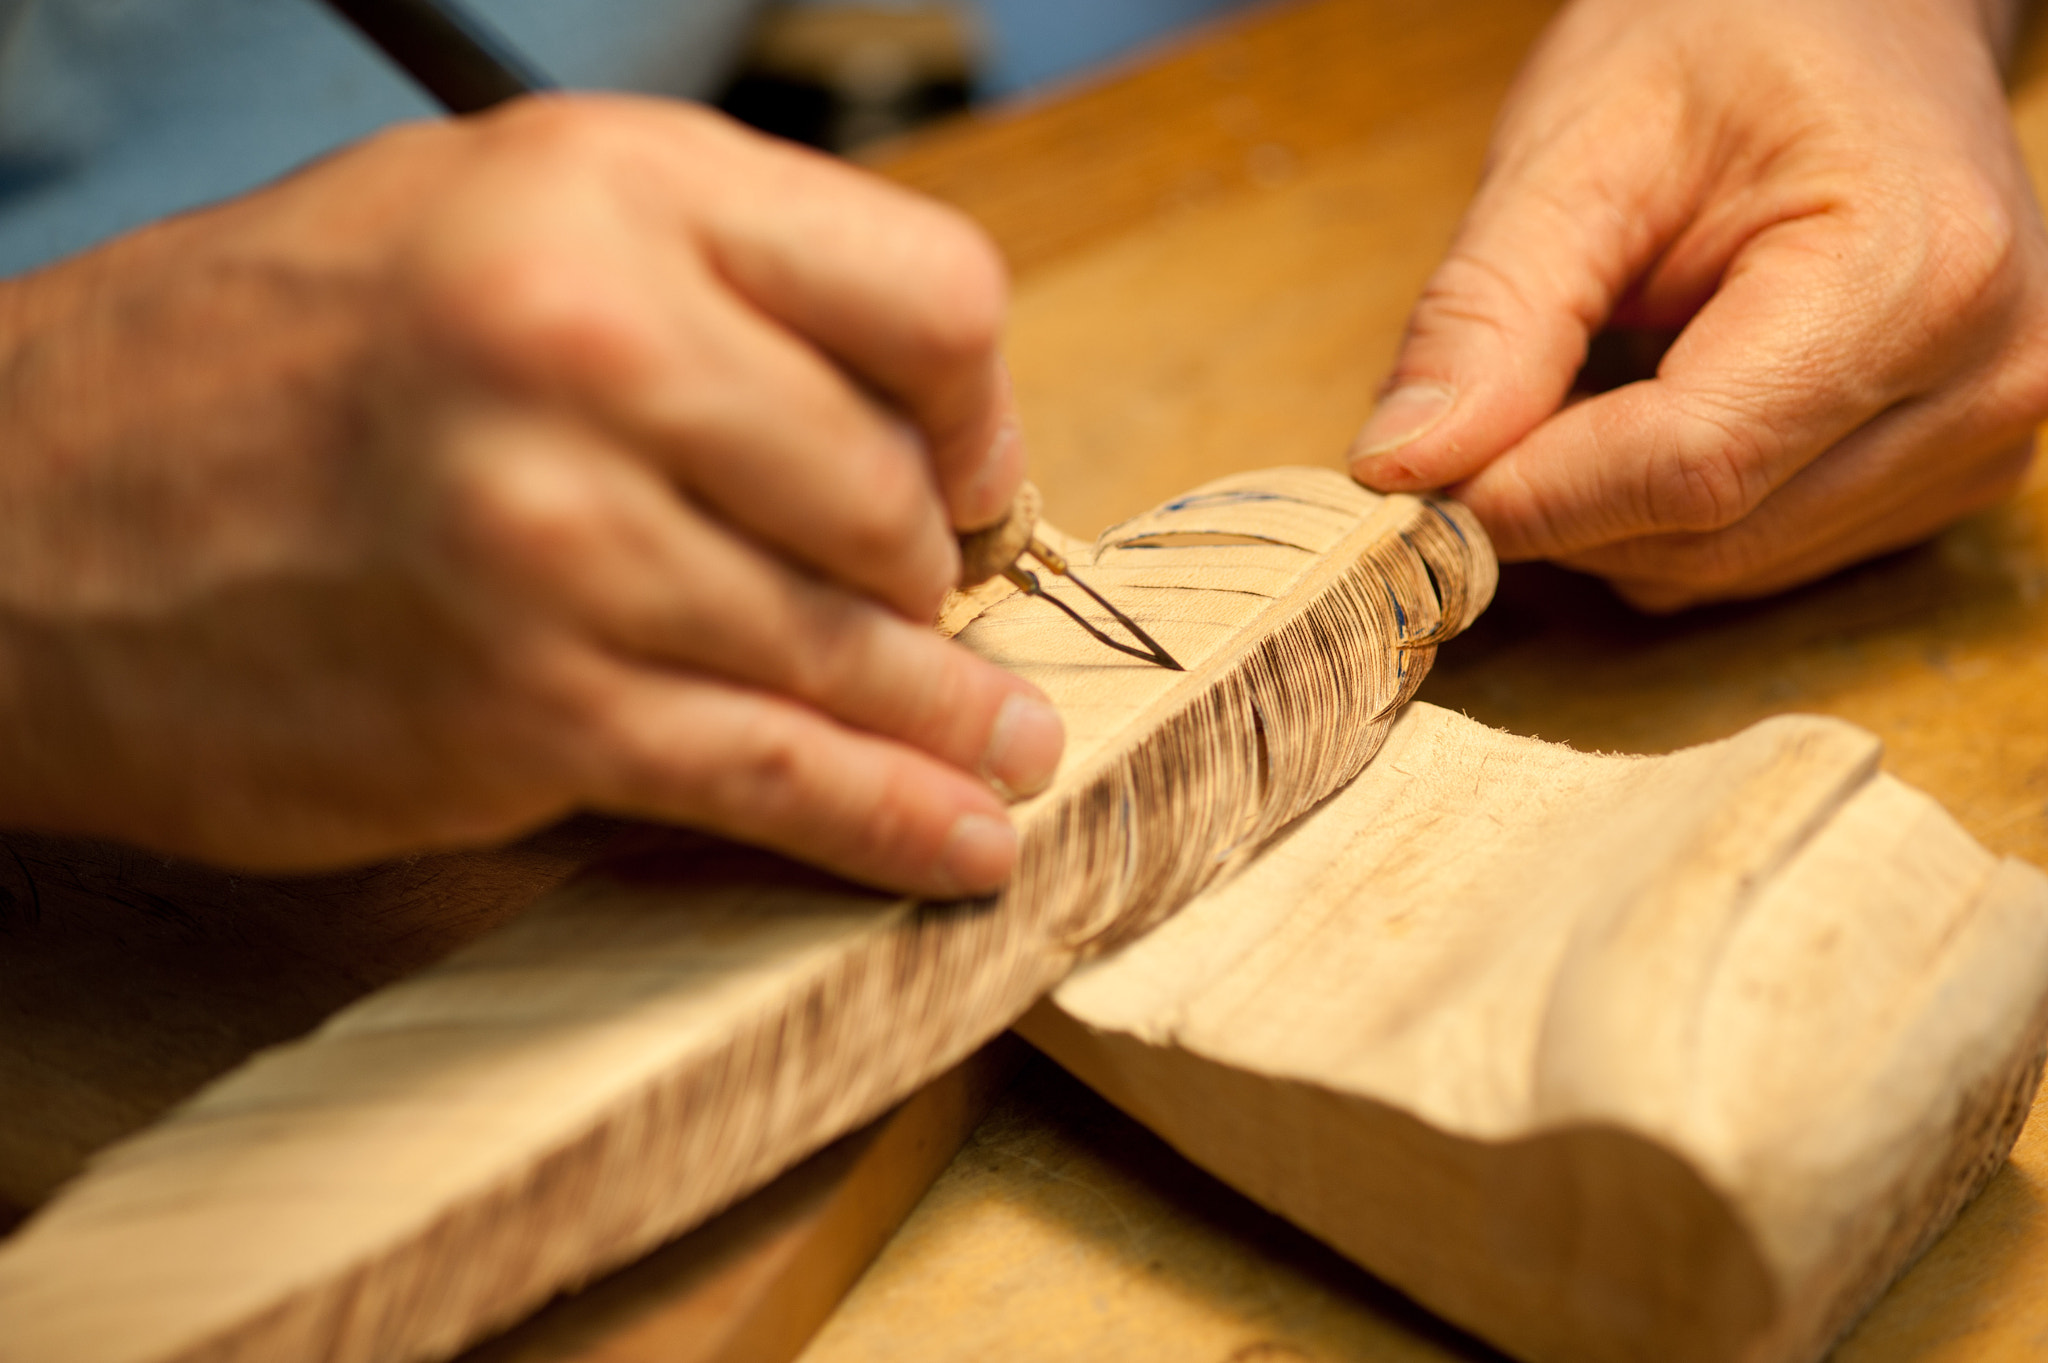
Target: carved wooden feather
point(668, 1032)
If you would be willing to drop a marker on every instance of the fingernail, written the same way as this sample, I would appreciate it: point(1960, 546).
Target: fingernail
point(1402, 416)
point(1023, 746)
point(978, 854)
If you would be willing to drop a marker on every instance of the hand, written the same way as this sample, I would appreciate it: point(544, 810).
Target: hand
point(594, 453)
point(1824, 201)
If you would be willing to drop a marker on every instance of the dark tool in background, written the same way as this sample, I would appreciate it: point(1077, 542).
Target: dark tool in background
point(454, 55)
point(846, 75)
point(467, 67)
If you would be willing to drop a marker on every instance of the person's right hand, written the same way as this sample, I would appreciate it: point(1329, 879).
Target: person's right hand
point(594, 453)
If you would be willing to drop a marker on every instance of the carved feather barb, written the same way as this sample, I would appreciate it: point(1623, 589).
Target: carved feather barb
point(680, 1024)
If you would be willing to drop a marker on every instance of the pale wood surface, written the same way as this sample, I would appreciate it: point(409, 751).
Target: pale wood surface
point(753, 1284)
point(1066, 1231)
point(1177, 315)
point(684, 1021)
point(1606, 1057)
point(127, 983)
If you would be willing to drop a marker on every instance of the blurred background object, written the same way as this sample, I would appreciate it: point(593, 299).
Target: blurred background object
point(117, 112)
point(839, 74)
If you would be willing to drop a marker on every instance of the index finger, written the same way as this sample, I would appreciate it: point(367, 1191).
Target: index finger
point(906, 294)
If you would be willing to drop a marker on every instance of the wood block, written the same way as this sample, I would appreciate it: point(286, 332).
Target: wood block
point(754, 1283)
point(669, 1031)
point(1604, 1058)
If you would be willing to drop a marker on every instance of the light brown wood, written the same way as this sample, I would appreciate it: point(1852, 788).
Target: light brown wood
point(660, 1037)
point(753, 1283)
point(1067, 1233)
point(1249, 105)
point(135, 981)
point(1192, 318)
point(1606, 1058)
point(1166, 334)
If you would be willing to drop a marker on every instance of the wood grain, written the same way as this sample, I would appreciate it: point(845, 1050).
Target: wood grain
point(1248, 105)
point(1162, 340)
point(1247, 317)
point(667, 1032)
point(754, 1283)
point(1067, 1233)
point(1607, 1058)
point(128, 981)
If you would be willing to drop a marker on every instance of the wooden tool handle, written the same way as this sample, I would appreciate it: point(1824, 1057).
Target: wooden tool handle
point(986, 553)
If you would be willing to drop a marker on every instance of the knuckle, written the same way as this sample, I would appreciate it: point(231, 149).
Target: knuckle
point(898, 509)
point(1471, 290)
point(834, 647)
point(1465, 292)
point(900, 833)
point(556, 706)
point(1710, 479)
point(1472, 313)
point(901, 680)
point(531, 513)
point(1974, 239)
point(533, 313)
point(768, 776)
point(957, 315)
point(1950, 257)
point(573, 130)
point(753, 778)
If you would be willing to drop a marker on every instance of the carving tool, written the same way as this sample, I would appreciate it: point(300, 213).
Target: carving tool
point(1000, 550)
point(458, 60)
point(454, 56)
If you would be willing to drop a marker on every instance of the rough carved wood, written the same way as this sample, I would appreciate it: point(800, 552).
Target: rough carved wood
point(1604, 1058)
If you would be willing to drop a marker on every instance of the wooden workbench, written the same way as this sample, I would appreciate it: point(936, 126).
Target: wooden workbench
point(1215, 252)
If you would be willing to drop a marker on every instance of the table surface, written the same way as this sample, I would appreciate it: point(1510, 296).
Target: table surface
point(1215, 250)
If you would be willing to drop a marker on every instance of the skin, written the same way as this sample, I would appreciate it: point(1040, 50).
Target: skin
point(1823, 201)
point(596, 453)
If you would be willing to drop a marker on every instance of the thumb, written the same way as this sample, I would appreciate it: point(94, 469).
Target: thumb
point(1499, 332)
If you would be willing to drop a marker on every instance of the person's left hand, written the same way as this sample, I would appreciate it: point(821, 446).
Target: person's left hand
point(1825, 201)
